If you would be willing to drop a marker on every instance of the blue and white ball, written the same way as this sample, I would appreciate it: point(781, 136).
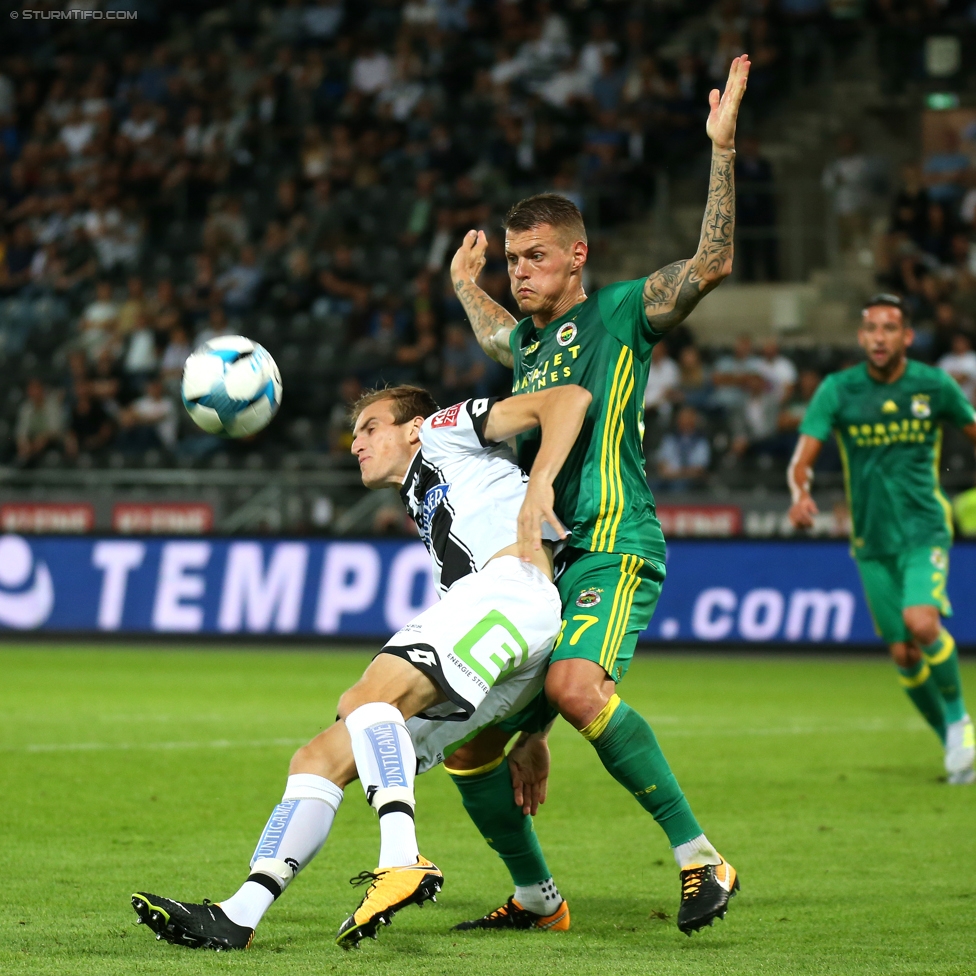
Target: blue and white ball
point(231, 386)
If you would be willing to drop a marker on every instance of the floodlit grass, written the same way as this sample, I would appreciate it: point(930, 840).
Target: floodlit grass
point(155, 769)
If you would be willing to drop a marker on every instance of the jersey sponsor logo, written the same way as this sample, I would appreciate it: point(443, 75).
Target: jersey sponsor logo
point(531, 348)
point(446, 418)
point(889, 406)
point(588, 598)
point(921, 407)
point(566, 333)
point(432, 500)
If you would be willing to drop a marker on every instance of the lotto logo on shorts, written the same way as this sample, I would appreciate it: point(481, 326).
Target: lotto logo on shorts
point(446, 418)
point(588, 598)
point(939, 559)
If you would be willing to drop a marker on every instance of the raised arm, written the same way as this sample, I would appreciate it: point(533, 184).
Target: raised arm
point(671, 293)
point(492, 325)
point(560, 412)
point(799, 477)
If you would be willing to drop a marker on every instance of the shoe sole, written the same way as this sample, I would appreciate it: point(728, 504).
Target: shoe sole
point(963, 777)
point(426, 891)
point(159, 921)
point(689, 928)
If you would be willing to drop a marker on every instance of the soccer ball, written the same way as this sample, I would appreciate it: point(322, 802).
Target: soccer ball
point(231, 387)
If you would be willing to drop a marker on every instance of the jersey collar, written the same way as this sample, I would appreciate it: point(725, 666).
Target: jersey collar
point(410, 477)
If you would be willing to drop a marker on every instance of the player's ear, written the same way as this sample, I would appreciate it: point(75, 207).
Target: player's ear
point(580, 251)
point(413, 432)
point(909, 336)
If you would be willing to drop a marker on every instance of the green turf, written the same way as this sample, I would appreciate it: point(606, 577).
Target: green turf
point(156, 769)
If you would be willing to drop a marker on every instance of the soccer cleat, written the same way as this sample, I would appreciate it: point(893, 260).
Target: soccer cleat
point(513, 916)
point(960, 751)
point(390, 889)
point(194, 926)
point(705, 893)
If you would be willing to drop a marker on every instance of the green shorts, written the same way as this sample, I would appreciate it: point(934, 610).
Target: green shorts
point(914, 578)
point(608, 599)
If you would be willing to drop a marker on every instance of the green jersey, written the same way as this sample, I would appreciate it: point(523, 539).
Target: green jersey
point(604, 345)
point(890, 440)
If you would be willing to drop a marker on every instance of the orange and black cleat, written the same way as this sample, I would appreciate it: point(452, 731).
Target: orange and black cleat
point(513, 916)
point(705, 893)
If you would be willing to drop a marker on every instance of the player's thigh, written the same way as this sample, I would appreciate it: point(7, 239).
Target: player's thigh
point(608, 600)
point(488, 626)
point(925, 575)
point(883, 584)
point(390, 678)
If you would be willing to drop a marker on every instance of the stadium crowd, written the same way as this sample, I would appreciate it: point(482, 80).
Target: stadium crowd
point(300, 172)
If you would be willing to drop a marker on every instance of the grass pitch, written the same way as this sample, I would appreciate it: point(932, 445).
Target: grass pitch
point(155, 769)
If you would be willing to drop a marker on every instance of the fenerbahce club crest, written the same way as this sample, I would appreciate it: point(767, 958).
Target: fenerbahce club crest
point(588, 598)
point(921, 407)
point(566, 334)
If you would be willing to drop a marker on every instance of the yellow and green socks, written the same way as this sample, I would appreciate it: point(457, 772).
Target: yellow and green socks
point(920, 686)
point(629, 750)
point(487, 796)
point(943, 660)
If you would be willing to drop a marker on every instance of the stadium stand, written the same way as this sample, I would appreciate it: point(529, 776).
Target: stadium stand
point(300, 173)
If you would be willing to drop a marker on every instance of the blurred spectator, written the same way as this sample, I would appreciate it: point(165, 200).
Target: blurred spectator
point(663, 376)
point(793, 411)
point(684, 454)
point(340, 419)
point(464, 364)
point(848, 180)
point(960, 364)
point(945, 169)
point(91, 427)
point(778, 371)
point(241, 282)
point(149, 421)
point(40, 422)
point(98, 321)
point(342, 283)
point(174, 358)
point(755, 418)
point(216, 326)
point(694, 387)
point(733, 374)
point(139, 358)
point(755, 206)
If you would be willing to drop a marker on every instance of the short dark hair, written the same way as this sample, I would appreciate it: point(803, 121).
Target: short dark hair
point(887, 299)
point(407, 402)
point(557, 211)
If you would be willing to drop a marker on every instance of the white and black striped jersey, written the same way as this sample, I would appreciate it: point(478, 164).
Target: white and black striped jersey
point(463, 491)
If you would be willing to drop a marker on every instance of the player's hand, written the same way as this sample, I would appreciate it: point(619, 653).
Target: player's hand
point(802, 512)
point(470, 257)
point(537, 507)
point(720, 126)
point(528, 762)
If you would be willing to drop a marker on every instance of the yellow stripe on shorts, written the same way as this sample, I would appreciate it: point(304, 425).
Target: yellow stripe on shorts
point(623, 600)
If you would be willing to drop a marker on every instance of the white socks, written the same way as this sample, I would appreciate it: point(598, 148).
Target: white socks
point(387, 766)
point(294, 834)
point(696, 851)
point(542, 898)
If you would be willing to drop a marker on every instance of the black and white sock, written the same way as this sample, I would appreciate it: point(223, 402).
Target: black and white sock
point(293, 835)
point(387, 765)
point(542, 898)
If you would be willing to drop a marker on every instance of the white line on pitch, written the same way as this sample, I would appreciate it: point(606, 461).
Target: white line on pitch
point(125, 746)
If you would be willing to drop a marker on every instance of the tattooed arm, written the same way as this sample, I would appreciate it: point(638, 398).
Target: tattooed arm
point(671, 293)
point(492, 325)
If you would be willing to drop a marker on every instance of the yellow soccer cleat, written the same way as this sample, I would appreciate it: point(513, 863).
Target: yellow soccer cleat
point(391, 889)
point(705, 893)
point(513, 916)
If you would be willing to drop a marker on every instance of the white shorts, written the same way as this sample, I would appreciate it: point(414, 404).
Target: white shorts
point(485, 644)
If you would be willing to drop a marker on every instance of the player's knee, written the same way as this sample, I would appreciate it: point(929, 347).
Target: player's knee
point(578, 705)
point(905, 655)
point(922, 623)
